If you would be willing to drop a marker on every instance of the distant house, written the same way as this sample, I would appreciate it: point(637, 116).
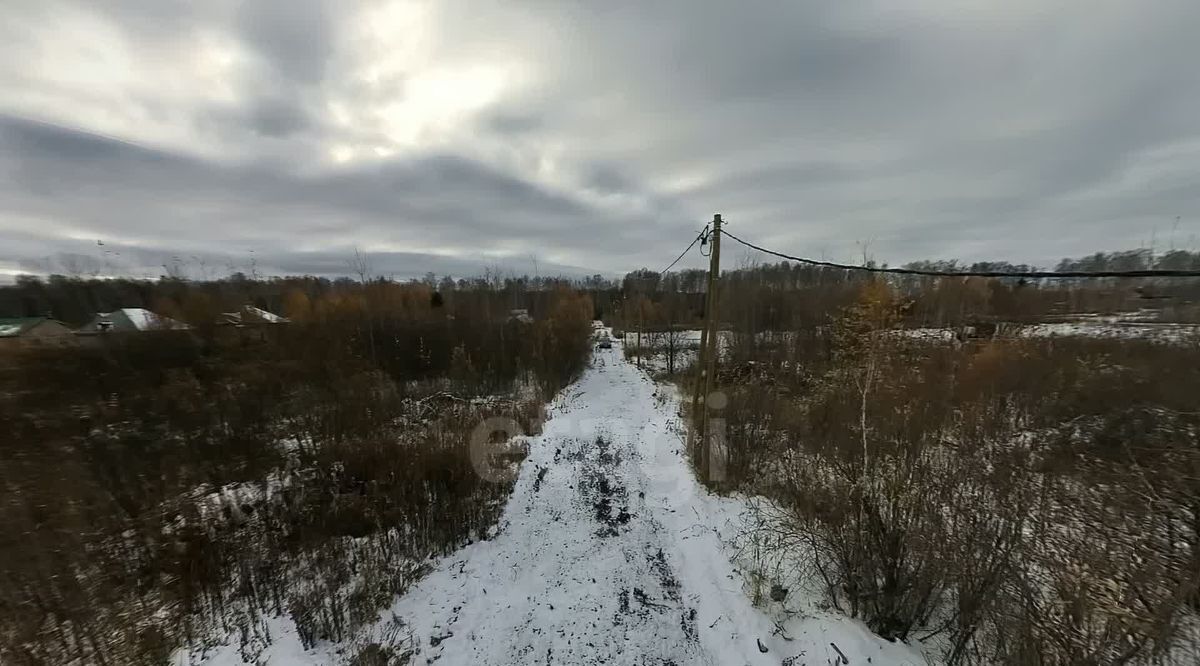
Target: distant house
point(130, 320)
point(248, 324)
point(249, 315)
point(520, 316)
point(34, 332)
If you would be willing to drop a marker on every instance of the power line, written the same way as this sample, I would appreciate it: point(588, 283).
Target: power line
point(1032, 275)
point(685, 251)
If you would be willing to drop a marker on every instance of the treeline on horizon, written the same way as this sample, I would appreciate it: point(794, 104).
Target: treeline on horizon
point(75, 300)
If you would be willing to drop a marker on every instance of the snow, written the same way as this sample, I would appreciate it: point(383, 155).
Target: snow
point(145, 320)
point(9, 330)
point(1087, 326)
point(1140, 315)
point(269, 317)
point(688, 337)
point(654, 352)
point(608, 551)
point(924, 334)
point(1167, 333)
point(141, 318)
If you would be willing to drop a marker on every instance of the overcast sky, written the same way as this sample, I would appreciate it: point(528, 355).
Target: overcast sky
point(578, 136)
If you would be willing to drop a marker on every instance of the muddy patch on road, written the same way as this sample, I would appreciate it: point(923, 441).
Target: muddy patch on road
point(610, 505)
point(670, 587)
point(607, 495)
point(606, 456)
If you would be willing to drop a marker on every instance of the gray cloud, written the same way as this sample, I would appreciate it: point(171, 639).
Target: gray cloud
point(277, 118)
point(295, 36)
point(598, 135)
point(88, 258)
point(608, 178)
point(134, 195)
point(511, 123)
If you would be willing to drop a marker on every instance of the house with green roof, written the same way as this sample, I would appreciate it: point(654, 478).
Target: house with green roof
point(19, 332)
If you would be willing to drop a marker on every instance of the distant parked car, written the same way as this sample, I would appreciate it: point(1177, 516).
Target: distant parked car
point(605, 342)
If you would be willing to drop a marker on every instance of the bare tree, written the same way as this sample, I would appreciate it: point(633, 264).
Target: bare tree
point(360, 265)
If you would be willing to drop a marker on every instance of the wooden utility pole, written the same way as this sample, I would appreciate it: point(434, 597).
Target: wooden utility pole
point(709, 346)
point(641, 325)
point(698, 386)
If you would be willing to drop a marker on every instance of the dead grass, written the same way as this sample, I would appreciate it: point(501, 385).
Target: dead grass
point(162, 491)
point(1013, 501)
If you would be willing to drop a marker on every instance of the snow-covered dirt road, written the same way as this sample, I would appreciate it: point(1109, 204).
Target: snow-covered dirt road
point(608, 552)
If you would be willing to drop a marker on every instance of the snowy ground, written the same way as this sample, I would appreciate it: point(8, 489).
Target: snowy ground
point(1086, 328)
point(654, 360)
point(1166, 333)
point(608, 552)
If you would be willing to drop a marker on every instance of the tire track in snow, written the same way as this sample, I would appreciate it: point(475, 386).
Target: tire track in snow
point(578, 572)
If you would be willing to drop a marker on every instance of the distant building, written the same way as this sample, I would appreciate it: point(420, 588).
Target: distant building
point(34, 332)
point(249, 315)
point(248, 325)
point(520, 316)
point(130, 320)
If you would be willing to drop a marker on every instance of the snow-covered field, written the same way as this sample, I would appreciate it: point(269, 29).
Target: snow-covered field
point(1168, 333)
point(608, 552)
point(687, 345)
point(1085, 327)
